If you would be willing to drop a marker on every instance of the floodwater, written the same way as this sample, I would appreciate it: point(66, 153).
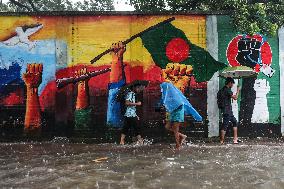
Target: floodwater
point(197, 165)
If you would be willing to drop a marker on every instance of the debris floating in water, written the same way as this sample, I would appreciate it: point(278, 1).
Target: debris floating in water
point(100, 160)
point(171, 159)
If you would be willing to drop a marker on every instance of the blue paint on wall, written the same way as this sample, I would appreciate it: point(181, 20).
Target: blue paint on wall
point(14, 57)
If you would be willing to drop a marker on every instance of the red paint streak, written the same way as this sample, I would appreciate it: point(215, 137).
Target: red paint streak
point(14, 98)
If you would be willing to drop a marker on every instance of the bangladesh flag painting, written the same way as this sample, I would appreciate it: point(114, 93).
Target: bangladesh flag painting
point(169, 44)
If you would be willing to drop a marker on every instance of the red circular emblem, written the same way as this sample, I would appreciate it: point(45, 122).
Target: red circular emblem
point(177, 50)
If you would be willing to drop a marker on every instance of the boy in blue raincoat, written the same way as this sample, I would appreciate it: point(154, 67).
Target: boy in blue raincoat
point(177, 106)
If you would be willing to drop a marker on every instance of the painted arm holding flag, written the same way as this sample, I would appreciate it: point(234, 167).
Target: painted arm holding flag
point(117, 80)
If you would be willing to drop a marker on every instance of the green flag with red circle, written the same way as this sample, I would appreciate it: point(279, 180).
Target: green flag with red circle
point(169, 44)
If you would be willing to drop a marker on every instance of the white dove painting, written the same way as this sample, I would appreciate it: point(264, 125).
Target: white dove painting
point(22, 36)
point(19, 49)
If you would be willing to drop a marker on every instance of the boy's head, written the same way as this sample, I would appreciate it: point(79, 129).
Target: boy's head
point(138, 88)
point(229, 82)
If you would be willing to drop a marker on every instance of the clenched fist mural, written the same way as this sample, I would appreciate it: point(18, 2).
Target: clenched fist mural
point(178, 74)
point(32, 79)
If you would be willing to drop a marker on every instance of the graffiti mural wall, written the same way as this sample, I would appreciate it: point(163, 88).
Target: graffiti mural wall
point(258, 109)
point(49, 85)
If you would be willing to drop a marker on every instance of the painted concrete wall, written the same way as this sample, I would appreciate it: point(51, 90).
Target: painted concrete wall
point(36, 51)
point(259, 106)
point(281, 66)
point(213, 83)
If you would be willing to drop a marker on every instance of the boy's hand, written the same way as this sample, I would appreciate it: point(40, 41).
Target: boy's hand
point(138, 104)
point(238, 89)
point(138, 118)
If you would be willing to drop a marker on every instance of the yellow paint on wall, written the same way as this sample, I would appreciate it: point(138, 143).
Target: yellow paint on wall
point(88, 36)
point(8, 25)
point(93, 35)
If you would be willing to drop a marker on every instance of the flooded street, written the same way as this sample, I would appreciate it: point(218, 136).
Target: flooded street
point(197, 165)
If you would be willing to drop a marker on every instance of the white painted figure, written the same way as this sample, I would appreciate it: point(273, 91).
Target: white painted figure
point(260, 111)
point(22, 36)
point(235, 106)
point(267, 70)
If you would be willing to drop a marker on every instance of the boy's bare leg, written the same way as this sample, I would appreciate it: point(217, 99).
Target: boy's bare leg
point(177, 134)
point(122, 139)
point(235, 130)
point(139, 140)
point(168, 126)
point(222, 136)
point(181, 136)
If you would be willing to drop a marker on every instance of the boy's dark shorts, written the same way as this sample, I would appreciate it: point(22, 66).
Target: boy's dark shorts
point(131, 122)
point(227, 118)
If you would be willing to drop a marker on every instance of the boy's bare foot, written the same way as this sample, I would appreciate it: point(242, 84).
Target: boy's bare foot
point(122, 139)
point(222, 142)
point(182, 139)
point(178, 147)
point(140, 142)
point(122, 143)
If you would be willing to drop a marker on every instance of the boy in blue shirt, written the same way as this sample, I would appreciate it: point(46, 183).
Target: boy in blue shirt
point(130, 117)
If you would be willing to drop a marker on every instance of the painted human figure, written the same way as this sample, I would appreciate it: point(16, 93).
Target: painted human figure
point(117, 80)
point(32, 79)
point(248, 55)
point(83, 97)
point(83, 112)
point(260, 111)
point(235, 105)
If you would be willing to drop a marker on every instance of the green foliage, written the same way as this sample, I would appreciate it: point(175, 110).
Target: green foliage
point(95, 5)
point(56, 5)
point(248, 16)
point(3, 7)
point(149, 6)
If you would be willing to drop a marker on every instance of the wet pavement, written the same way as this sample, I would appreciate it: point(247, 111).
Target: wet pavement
point(197, 165)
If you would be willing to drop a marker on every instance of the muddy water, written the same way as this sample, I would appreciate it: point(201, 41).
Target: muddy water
point(50, 165)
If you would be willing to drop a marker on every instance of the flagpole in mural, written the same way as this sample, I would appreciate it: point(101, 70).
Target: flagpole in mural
point(68, 80)
point(202, 62)
point(133, 37)
point(65, 81)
